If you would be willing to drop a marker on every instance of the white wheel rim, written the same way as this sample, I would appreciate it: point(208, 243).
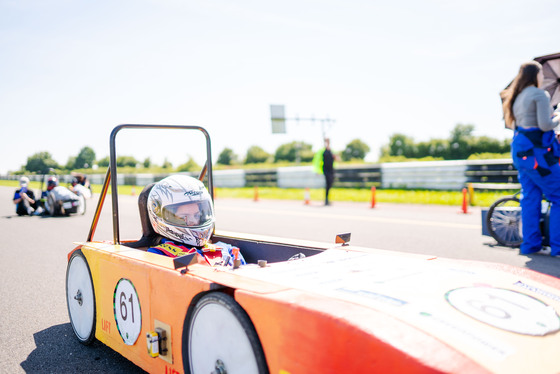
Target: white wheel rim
point(80, 298)
point(82, 205)
point(217, 336)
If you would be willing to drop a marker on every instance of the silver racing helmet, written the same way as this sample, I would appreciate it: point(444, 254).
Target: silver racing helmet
point(180, 208)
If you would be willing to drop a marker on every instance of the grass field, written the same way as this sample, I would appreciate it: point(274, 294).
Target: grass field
point(478, 198)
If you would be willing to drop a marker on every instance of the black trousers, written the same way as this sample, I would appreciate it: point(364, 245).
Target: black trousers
point(329, 179)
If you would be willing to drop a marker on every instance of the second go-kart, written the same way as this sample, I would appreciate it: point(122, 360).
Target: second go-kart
point(503, 221)
point(59, 200)
point(301, 307)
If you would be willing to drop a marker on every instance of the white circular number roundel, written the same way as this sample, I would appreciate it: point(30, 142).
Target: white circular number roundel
point(126, 307)
point(506, 309)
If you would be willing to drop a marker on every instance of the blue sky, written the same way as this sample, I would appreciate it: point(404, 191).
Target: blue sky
point(72, 70)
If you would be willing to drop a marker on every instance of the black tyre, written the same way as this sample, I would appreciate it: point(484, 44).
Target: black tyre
point(80, 298)
point(220, 338)
point(504, 221)
point(51, 204)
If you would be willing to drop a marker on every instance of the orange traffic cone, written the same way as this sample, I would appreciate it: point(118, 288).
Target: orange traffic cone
point(256, 197)
point(133, 191)
point(372, 197)
point(306, 197)
point(464, 208)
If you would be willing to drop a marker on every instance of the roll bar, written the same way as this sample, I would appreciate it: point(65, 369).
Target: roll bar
point(112, 173)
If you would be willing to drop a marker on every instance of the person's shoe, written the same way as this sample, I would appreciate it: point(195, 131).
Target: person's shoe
point(39, 211)
point(30, 211)
point(544, 251)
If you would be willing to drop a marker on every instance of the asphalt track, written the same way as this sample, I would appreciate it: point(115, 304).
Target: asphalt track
point(34, 326)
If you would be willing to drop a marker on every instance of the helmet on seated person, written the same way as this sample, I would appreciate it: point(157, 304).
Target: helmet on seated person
point(23, 181)
point(180, 208)
point(52, 182)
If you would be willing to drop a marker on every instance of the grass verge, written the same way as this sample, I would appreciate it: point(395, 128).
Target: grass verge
point(479, 198)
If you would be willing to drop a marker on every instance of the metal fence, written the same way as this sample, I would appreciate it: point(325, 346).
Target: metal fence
point(436, 175)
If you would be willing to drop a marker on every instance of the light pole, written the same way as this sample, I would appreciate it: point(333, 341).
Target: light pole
point(278, 120)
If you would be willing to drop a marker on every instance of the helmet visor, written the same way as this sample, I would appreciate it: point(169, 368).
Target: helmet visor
point(188, 214)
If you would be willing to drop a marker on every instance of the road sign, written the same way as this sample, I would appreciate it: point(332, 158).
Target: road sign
point(278, 119)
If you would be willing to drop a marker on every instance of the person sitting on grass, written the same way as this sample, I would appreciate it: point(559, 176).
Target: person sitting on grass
point(24, 198)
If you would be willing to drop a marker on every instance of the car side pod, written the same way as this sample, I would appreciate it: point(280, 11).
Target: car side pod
point(343, 239)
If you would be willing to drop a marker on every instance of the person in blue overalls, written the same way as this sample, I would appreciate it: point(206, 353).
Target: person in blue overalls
point(535, 152)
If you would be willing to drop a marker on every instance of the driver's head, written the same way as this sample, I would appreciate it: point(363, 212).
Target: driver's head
point(180, 208)
point(189, 213)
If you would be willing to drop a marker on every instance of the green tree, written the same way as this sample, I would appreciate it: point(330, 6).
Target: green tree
point(460, 145)
point(190, 165)
point(227, 157)
point(104, 162)
point(438, 148)
point(147, 162)
point(126, 161)
point(167, 164)
point(356, 149)
point(484, 144)
point(460, 142)
point(85, 158)
point(294, 152)
point(70, 164)
point(256, 155)
point(41, 162)
point(400, 145)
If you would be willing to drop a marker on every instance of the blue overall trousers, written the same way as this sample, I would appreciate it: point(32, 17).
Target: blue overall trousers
point(536, 154)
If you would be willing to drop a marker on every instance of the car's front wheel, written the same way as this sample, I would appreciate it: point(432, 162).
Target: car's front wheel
point(222, 339)
point(80, 298)
point(50, 204)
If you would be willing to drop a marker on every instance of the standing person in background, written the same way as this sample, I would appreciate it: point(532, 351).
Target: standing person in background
point(328, 169)
point(535, 152)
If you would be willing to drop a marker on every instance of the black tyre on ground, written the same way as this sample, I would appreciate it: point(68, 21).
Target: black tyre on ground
point(52, 205)
point(504, 221)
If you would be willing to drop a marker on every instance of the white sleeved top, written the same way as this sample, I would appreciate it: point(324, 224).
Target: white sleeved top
point(532, 109)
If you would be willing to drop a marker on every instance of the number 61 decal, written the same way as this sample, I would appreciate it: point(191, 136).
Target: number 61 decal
point(126, 308)
point(505, 309)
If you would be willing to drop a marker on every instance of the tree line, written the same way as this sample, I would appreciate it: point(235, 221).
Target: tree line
point(461, 144)
point(296, 151)
point(43, 162)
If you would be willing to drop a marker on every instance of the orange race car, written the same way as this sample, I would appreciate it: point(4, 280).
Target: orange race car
point(299, 307)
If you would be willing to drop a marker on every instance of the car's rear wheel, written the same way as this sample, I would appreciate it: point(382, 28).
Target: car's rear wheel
point(222, 339)
point(80, 298)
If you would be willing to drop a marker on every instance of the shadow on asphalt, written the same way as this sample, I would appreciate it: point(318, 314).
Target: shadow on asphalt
point(58, 351)
point(540, 263)
point(42, 216)
point(544, 264)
